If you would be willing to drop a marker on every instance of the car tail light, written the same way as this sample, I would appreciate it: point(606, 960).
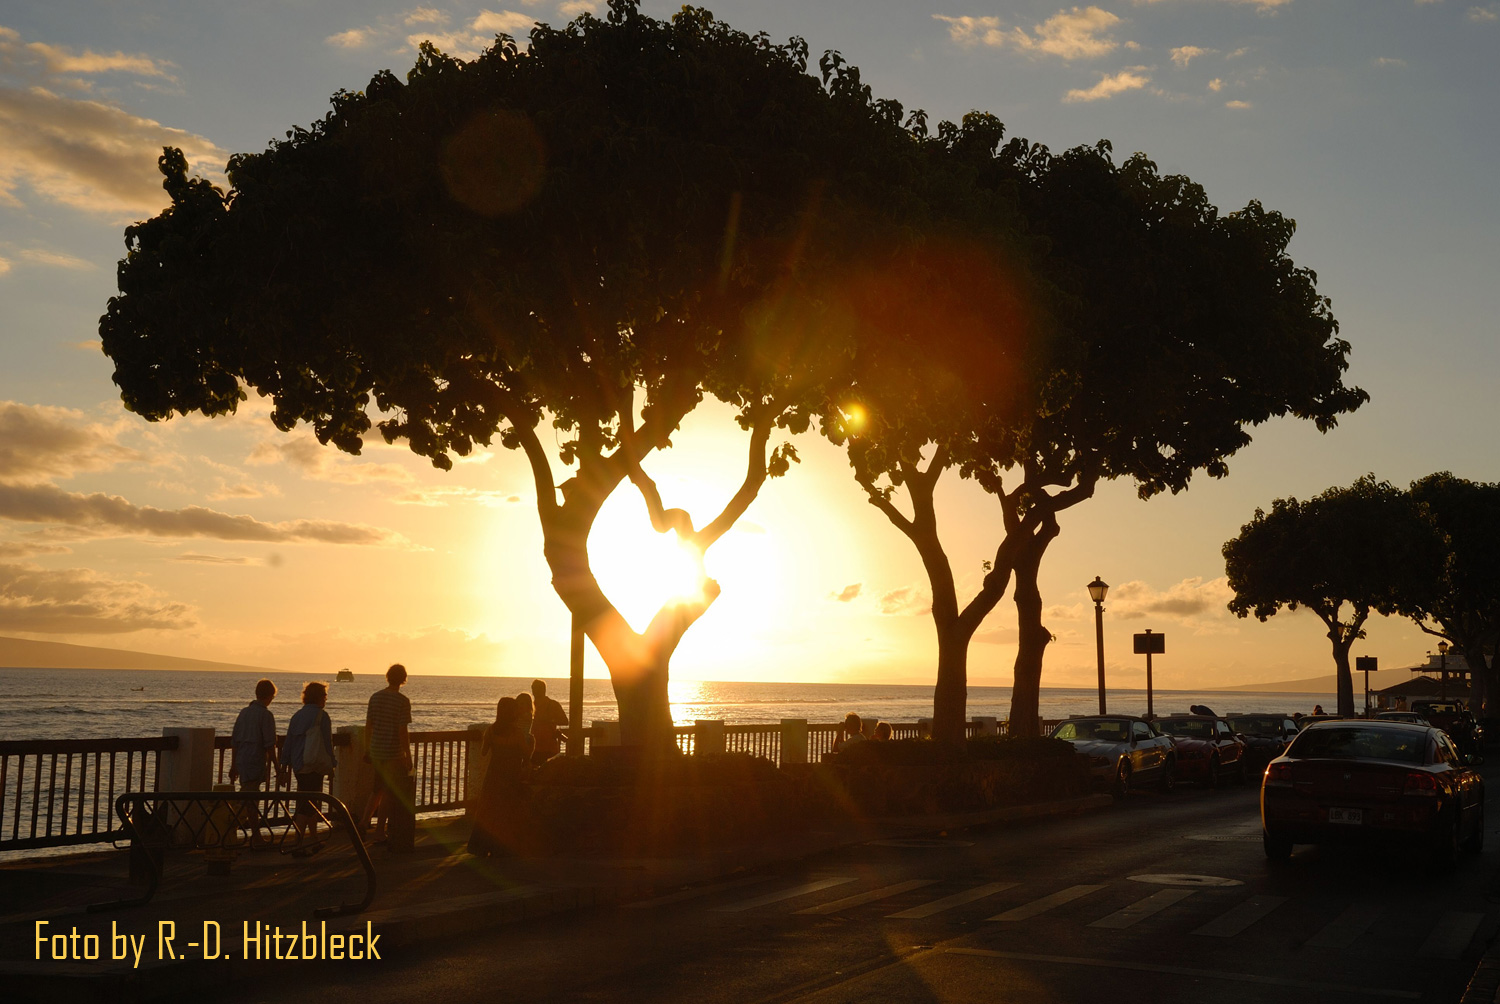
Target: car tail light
point(1279, 775)
point(1421, 784)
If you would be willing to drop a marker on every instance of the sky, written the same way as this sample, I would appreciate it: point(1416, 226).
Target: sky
point(1372, 123)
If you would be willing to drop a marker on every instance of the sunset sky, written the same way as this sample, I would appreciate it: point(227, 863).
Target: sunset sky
point(1372, 123)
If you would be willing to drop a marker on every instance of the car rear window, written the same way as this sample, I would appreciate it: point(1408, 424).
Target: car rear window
point(1112, 731)
point(1360, 744)
point(1257, 726)
point(1187, 727)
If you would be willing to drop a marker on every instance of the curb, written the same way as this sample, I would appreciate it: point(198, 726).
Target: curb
point(1484, 986)
point(411, 926)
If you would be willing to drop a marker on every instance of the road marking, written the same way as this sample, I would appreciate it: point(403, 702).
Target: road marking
point(1142, 908)
point(705, 890)
point(1241, 917)
point(1346, 927)
point(869, 897)
point(957, 899)
point(1028, 910)
point(777, 897)
point(1212, 974)
point(1451, 936)
point(1178, 878)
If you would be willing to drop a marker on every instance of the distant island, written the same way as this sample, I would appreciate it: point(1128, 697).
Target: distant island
point(22, 653)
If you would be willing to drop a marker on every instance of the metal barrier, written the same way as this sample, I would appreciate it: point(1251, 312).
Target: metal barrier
point(56, 792)
point(440, 768)
point(757, 740)
point(216, 821)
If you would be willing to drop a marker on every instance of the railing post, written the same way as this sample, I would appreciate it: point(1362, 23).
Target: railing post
point(190, 767)
point(987, 726)
point(708, 736)
point(353, 779)
point(475, 766)
point(794, 740)
point(604, 733)
point(924, 727)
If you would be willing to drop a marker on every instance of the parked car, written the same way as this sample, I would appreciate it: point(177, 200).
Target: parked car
point(1123, 751)
point(1456, 720)
point(1409, 717)
point(1207, 748)
point(1266, 737)
point(1355, 780)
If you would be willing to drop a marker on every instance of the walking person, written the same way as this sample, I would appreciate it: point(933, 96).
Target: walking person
point(387, 749)
point(548, 718)
point(308, 750)
point(496, 816)
point(254, 749)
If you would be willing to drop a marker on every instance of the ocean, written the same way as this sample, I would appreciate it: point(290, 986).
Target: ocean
point(108, 703)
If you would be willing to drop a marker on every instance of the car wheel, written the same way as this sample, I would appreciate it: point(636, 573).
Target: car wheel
point(1213, 773)
point(1446, 841)
point(1475, 842)
point(1122, 778)
point(1168, 779)
point(1278, 848)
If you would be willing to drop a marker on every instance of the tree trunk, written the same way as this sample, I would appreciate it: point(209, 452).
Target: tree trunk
point(1025, 697)
point(1480, 676)
point(950, 695)
point(1342, 643)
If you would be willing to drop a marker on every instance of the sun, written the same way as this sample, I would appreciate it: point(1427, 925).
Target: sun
point(639, 569)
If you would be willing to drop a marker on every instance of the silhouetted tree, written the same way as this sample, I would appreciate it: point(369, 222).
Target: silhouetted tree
point(594, 234)
point(1369, 546)
point(1462, 605)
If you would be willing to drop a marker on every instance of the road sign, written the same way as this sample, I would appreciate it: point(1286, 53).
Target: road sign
point(1366, 664)
point(1150, 643)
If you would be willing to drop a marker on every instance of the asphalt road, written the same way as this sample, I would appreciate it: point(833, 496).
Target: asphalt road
point(1163, 898)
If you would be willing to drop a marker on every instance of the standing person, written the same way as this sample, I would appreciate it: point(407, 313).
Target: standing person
point(308, 749)
point(852, 732)
point(496, 822)
point(387, 748)
point(548, 719)
point(254, 746)
point(1317, 709)
point(526, 714)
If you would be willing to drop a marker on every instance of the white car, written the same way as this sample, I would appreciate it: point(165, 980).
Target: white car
point(1123, 750)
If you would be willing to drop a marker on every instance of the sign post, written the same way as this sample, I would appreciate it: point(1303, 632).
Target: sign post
point(1366, 664)
point(1148, 644)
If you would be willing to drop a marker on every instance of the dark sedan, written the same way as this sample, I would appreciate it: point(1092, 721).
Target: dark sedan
point(1266, 736)
point(1345, 781)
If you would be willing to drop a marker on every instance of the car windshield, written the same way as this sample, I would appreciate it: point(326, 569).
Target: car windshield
point(1256, 725)
point(1190, 727)
point(1360, 744)
point(1115, 732)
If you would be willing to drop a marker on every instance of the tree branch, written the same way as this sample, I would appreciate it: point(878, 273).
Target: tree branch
point(755, 477)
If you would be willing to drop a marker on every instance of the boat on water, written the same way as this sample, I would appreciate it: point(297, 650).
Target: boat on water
point(137, 688)
point(344, 677)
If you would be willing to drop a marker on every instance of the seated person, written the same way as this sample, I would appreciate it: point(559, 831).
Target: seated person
point(882, 732)
point(852, 731)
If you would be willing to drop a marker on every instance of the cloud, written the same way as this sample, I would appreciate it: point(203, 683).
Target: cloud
point(11, 549)
point(1192, 597)
point(911, 601)
point(354, 38)
point(1264, 6)
point(998, 636)
point(39, 442)
point(56, 59)
point(442, 496)
point(1238, 104)
point(1216, 84)
point(572, 8)
point(80, 601)
point(56, 259)
point(425, 15)
point(242, 490)
point(101, 515)
point(210, 559)
point(1482, 15)
point(4, 265)
point(1185, 54)
point(847, 594)
point(507, 22)
point(1078, 33)
point(324, 463)
point(1385, 61)
point(1126, 80)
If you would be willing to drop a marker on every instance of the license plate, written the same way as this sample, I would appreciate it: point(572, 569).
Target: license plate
point(1350, 817)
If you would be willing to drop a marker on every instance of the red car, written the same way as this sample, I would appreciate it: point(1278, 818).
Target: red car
point(1208, 750)
point(1346, 781)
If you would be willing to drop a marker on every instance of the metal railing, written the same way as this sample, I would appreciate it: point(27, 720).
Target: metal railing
point(440, 764)
point(56, 792)
point(757, 740)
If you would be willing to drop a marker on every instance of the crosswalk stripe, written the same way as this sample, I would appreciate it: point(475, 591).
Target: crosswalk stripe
point(1346, 927)
point(1451, 936)
point(1029, 910)
point(702, 890)
point(869, 897)
point(1241, 917)
point(777, 897)
point(1142, 908)
point(957, 899)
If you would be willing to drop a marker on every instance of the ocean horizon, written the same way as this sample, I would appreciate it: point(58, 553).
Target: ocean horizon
point(119, 703)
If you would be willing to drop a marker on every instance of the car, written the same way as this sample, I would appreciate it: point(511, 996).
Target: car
point(1207, 748)
point(1123, 750)
point(1367, 781)
point(1410, 717)
point(1266, 737)
point(1456, 720)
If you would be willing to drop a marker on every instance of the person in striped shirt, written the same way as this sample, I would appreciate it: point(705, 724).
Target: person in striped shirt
point(387, 747)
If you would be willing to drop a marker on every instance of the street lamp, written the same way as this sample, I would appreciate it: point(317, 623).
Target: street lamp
point(1443, 664)
point(1097, 590)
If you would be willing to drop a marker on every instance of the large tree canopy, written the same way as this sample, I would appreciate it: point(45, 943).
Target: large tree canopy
point(1173, 330)
point(596, 231)
point(1462, 604)
point(1370, 546)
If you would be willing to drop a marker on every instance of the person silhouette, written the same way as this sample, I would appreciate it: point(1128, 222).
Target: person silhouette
point(1317, 709)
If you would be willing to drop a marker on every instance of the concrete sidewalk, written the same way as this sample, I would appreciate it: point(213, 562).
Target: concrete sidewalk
point(201, 930)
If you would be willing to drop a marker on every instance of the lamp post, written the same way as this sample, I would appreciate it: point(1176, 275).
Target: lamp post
point(1097, 590)
point(1443, 670)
